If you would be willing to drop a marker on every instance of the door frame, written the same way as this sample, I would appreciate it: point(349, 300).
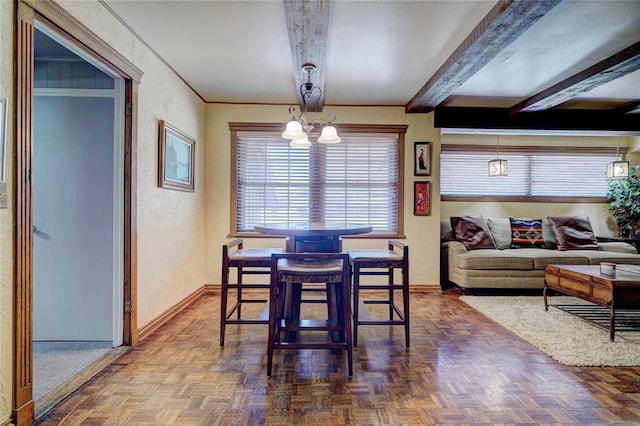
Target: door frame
point(69, 28)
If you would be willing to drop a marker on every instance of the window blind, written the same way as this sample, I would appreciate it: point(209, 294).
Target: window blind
point(356, 181)
point(541, 174)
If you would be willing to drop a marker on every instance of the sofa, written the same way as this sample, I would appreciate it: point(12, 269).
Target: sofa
point(511, 253)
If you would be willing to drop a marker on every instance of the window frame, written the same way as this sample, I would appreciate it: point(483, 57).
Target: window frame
point(343, 129)
point(528, 149)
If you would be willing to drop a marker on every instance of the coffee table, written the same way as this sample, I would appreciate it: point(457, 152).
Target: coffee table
point(621, 291)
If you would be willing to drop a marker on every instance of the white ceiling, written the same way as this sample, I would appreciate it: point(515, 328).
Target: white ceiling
point(383, 52)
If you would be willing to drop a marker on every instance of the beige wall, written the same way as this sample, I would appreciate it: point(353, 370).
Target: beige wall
point(6, 218)
point(422, 232)
point(170, 223)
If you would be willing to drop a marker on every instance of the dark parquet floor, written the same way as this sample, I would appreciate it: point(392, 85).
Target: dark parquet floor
point(462, 368)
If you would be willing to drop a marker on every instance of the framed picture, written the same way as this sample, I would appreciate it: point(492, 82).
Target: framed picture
point(422, 158)
point(176, 156)
point(422, 198)
point(3, 136)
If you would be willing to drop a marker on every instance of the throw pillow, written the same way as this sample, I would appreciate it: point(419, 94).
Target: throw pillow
point(526, 233)
point(472, 232)
point(573, 233)
point(500, 231)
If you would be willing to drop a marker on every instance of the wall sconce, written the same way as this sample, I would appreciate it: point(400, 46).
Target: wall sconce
point(498, 167)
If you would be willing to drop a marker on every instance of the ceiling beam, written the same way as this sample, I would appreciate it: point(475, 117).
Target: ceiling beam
point(506, 21)
point(308, 28)
point(629, 108)
point(612, 68)
point(584, 120)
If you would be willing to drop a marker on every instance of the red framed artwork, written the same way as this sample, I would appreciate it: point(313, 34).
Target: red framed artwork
point(422, 198)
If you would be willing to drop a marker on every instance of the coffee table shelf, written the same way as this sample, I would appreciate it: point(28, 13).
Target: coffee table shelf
point(621, 291)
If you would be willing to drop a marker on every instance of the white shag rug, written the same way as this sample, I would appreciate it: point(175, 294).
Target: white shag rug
point(564, 337)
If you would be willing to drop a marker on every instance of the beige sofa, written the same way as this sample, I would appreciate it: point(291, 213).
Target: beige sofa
point(521, 268)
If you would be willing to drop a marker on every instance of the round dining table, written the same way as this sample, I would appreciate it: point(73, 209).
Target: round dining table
point(313, 236)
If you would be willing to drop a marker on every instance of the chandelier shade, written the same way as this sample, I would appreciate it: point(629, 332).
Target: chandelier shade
point(618, 169)
point(498, 167)
point(299, 126)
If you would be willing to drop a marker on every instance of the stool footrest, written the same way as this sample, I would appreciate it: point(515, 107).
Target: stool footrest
point(248, 286)
point(309, 324)
point(309, 345)
point(380, 287)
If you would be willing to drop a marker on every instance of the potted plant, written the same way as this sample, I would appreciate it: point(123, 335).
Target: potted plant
point(624, 201)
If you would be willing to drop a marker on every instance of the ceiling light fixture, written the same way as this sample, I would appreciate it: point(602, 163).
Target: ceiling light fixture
point(618, 168)
point(299, 127)
point(498, 167)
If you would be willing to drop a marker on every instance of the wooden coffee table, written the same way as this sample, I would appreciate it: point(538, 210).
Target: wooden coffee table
point(621, 291)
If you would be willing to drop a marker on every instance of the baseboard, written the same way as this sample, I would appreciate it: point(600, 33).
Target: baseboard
point(6, 422)
point(425, 288)
point(169, 313)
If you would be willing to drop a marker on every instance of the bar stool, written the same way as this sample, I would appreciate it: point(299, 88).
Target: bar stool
point(290, 272)
point(381, 262)
point(247, 261)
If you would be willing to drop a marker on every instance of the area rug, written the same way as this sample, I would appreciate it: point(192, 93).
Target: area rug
point(564, 337)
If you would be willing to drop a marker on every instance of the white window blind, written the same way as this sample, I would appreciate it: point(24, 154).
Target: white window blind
point(533, 174)
point(355, 181)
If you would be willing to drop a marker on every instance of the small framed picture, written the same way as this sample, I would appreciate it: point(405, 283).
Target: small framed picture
point(422, 158)
point(422, 198)
point(176, 156)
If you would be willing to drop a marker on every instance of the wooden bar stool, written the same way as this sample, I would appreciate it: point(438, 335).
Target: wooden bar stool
point(247, 261)
point(290, 272)
point(381, 262)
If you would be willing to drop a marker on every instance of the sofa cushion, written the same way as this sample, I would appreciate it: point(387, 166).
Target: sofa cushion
point(573, 232)
point(446, 232)
point(595, 257)
point(493, 259)
point(526, 233)
point(472, 232)
point(544, 257)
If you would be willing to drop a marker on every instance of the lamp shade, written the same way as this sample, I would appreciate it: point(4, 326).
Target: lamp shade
point(329, 135)
point(498, 167)
point(618, 169)
point(293, 131)
point(302, 142)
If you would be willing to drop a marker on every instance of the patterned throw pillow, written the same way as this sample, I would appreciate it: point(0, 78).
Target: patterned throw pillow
point(526, 233)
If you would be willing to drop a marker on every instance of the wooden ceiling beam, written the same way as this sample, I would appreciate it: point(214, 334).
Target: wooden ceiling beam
point(308, 28)
point(506, 21)
point(609, 69)
point(583, 120)
point(632, 107)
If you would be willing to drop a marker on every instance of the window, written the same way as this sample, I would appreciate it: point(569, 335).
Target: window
point(534, 173)
point(357, 180)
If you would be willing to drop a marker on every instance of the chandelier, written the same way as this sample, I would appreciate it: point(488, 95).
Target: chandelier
point(299, 127)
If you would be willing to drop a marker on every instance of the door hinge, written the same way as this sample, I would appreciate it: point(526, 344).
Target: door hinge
point(128, 306)
point(128, 108)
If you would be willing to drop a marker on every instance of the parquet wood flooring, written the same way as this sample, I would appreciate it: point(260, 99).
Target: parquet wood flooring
point(462, 368)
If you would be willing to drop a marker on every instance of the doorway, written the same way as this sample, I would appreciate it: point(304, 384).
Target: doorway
point(76, 36)
point(77, 212)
